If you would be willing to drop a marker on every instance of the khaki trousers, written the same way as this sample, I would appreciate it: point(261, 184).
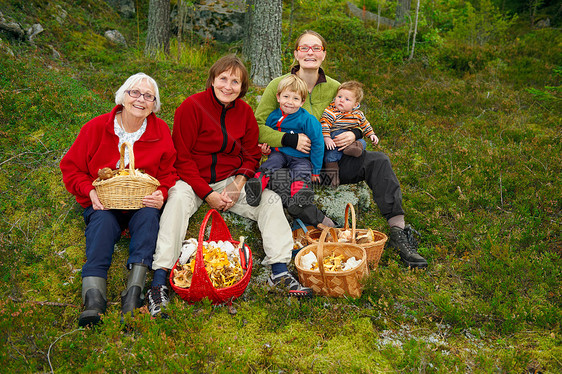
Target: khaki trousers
point(183, 203)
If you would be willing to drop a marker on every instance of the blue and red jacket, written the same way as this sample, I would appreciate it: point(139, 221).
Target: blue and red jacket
point(300, 122)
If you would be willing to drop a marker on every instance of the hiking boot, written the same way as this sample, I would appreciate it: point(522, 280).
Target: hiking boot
point(157, 297)
point(404, 241)
point(286, 281)
point(301, 199)
point(253, 191)
point(94, 299)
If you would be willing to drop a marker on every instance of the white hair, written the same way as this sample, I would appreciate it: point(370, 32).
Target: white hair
point(131, 82)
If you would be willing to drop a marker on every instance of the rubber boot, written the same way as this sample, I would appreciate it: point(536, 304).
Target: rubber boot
point(332, 169)
point(94, 297)
point(133, 297)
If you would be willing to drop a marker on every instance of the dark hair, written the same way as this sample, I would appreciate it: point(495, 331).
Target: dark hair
point(310, 32)
point(229, 63)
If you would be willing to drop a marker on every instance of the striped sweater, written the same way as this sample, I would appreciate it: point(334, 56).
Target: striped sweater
point(333, 119)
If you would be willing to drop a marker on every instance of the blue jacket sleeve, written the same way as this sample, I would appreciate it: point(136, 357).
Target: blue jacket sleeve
point(314, 132)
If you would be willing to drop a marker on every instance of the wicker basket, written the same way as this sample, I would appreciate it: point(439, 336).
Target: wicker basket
point(373, 249)
point(125, 191)
point(340, 283)
point(201, 285)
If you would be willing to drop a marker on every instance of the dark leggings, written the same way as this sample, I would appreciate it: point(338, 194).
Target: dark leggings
point(372, 167)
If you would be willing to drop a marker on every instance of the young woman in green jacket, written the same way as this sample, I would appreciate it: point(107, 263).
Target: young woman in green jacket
point(372, 167)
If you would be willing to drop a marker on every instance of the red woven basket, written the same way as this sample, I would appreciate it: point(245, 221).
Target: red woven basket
point(201, 285)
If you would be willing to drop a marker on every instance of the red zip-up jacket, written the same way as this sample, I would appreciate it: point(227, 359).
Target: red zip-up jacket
point(214, 142)
point(96, 147)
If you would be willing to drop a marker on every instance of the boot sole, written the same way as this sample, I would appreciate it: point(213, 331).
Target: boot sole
point(413, 265)
point(89, 319)
point(253, 193)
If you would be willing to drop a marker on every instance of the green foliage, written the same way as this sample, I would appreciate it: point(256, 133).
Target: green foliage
point(478, 26)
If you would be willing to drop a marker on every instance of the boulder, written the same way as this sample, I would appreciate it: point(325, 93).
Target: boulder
point(116, 37)
point(34, 30)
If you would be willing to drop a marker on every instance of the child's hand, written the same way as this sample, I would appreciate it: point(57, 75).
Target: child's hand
point(315, 178)
point(374, 139)
point(329, 143)
point(265, 149)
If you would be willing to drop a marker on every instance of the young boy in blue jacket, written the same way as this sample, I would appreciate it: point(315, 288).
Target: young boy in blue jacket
point(304, 168)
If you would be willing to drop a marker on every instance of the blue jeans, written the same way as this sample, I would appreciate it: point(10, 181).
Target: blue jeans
point(333, 155)
point(103, 230)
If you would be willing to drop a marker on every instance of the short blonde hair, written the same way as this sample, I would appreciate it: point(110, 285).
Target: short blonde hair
point(294, 84)
point(355, 87)
point(131, 82)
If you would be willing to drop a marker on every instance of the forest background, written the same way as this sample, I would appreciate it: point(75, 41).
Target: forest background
point(471, 123)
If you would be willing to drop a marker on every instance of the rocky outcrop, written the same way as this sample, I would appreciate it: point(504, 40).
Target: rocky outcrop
point(216, 19)
point(16, 30)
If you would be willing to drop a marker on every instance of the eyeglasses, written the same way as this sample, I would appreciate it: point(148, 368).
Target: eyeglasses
point(136, 94)
point(306, 48)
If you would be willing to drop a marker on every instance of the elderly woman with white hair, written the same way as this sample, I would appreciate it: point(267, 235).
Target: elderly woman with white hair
point(97, 146)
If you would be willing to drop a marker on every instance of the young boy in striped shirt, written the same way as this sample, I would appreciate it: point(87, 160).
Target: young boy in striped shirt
point(342, 115)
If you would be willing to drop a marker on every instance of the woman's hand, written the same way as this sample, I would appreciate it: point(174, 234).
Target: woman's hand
point(218, 201)
point(329, 143)
point(232, 191)
point(96, 204)
point(303, 144)
point(344, 139)
point(156, 200)
point(315, 178)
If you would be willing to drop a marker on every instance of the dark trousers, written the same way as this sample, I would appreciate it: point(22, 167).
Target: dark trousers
point(103, 230)
point(372, 167)
point(300, 167)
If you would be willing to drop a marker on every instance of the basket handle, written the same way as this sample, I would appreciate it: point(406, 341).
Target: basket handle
point(219, 231)
point(320, 253)
point(300, 223)
point(348, 208)
point(131, 158)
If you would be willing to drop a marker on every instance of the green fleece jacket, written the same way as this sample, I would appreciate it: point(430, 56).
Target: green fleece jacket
point(321, 96)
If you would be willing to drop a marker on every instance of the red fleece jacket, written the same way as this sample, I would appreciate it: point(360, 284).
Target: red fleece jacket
point(97, 147)
point(214, 142)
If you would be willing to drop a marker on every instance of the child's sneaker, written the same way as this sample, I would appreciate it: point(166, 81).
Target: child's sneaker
point(287, 281)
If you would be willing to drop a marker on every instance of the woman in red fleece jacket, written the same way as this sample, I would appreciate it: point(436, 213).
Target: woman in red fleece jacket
point(97, 146)
point(216, 136)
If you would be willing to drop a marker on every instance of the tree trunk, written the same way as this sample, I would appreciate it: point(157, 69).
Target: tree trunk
point(402, 10)
point(262, 44)
point(158, 35)
point(415, 30)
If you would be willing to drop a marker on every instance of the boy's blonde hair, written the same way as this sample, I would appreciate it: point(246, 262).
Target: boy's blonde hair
point(294, 84)
point(355, 87)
